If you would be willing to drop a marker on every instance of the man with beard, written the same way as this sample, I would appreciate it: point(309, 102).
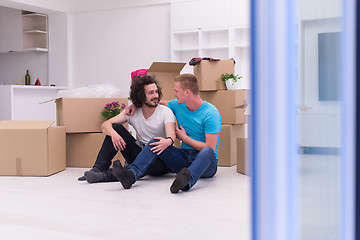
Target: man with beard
point(151, 121)
point(199, 125)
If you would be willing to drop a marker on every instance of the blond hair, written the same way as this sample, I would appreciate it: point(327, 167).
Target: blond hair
point(188, 81)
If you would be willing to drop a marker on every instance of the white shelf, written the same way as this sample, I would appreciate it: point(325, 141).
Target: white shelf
point(34, 15)
point(35, 32)
point(214, 38)
point(224, 43)
point(35, 50)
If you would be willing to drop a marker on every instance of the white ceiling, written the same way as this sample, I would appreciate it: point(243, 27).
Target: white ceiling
point(74, 6)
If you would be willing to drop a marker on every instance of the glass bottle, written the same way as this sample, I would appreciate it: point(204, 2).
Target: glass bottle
point(27, 78)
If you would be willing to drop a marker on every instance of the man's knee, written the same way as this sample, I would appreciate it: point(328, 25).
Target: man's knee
point(119, 128)
point(207, 151)
point(152, 140)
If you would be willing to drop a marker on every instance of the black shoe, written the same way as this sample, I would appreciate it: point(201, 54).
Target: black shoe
point(94, 177)
point(94, 169)
point(181, 180)
point(125, 176)
point(82, 178)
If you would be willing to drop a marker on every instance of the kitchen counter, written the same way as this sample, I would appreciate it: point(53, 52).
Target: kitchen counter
point(25, 102)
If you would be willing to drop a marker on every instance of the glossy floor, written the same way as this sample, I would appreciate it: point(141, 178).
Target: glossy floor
point(60, 207)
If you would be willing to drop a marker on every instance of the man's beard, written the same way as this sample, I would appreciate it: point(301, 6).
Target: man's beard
point(149, 104)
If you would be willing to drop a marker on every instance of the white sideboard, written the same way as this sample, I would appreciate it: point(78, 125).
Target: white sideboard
point(19, 102)
point(320, 129)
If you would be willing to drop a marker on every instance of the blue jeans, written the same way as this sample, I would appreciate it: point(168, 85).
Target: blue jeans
point(107, 153)
point(200, 164)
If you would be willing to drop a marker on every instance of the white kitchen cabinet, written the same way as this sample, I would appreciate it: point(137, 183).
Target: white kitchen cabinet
point(19, 102)
point(200, 14)
point(22, 31)
point(10, 30)
point(319, 129)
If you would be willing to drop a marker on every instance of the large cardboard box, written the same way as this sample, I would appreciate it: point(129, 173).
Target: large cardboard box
point(83, 148)
point(165, 73)
point(230, 103)
point(31, 148)
point(227, 143)
point(82, 114)
point(243, 164)
point(208, 73)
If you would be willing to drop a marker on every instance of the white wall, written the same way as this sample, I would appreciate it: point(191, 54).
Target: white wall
point(13, 67)
point(106, 46)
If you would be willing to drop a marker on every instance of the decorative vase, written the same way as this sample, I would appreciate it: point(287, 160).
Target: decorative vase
point(230, 85)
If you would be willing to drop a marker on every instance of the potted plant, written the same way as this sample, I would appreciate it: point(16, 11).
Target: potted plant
point(230, 79)
point(112, 109)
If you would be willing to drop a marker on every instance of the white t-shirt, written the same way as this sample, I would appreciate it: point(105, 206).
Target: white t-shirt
point(154, 126)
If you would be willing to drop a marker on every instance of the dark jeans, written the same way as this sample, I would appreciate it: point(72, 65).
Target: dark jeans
point(200, 163)
point(132, 150)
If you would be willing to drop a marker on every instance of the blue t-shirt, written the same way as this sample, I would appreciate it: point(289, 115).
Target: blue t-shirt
point(205, 120)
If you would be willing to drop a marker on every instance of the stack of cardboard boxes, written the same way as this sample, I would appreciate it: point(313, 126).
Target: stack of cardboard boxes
point(33, 148)
point(82, 120)
point(230, 103)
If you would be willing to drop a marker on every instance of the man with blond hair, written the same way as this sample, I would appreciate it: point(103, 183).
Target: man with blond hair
point(199, 125)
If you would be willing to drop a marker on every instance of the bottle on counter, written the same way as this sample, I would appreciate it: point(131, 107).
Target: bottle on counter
point(27, 78)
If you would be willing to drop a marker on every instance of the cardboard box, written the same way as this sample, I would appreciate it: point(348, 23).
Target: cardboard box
point(227, 143)
point(165, 73)
point(230, 103)
point(208, 73)
point(31, 148)
point(82, 114)
point(243, 164)
point(83, 148)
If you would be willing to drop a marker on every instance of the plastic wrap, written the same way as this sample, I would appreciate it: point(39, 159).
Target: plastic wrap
point(94, 91)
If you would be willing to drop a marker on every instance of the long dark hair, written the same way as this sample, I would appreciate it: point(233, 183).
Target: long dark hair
point(137, 91)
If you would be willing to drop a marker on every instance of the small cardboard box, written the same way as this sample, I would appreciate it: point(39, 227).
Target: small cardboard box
point(208, 73)
point(230, 103)
point(83, 148)
point(243, 164)
point(31, 148)
point(227, 143)
point(82, 114)
point(165, 73)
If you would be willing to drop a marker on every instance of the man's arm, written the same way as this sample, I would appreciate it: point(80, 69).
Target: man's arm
point(130, 110)
point(164, 102)
point(106, 127)
point(163, 143)
point(211, 139)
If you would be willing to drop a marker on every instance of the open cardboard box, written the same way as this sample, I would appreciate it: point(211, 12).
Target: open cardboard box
point(165, 73)
point(82, 114)
point(208, 73)
point(230, 103)
point(31, 148)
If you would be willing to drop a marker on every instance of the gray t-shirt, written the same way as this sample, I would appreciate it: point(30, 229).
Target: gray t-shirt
point(154, 126)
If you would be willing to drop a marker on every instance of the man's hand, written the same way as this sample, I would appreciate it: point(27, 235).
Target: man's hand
point(160, 145)
point(130, 110)
point(118, 142)
point(180, 133)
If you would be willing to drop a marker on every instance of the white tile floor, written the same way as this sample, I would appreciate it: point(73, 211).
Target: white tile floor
point(60, 207)
point(320, 192)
